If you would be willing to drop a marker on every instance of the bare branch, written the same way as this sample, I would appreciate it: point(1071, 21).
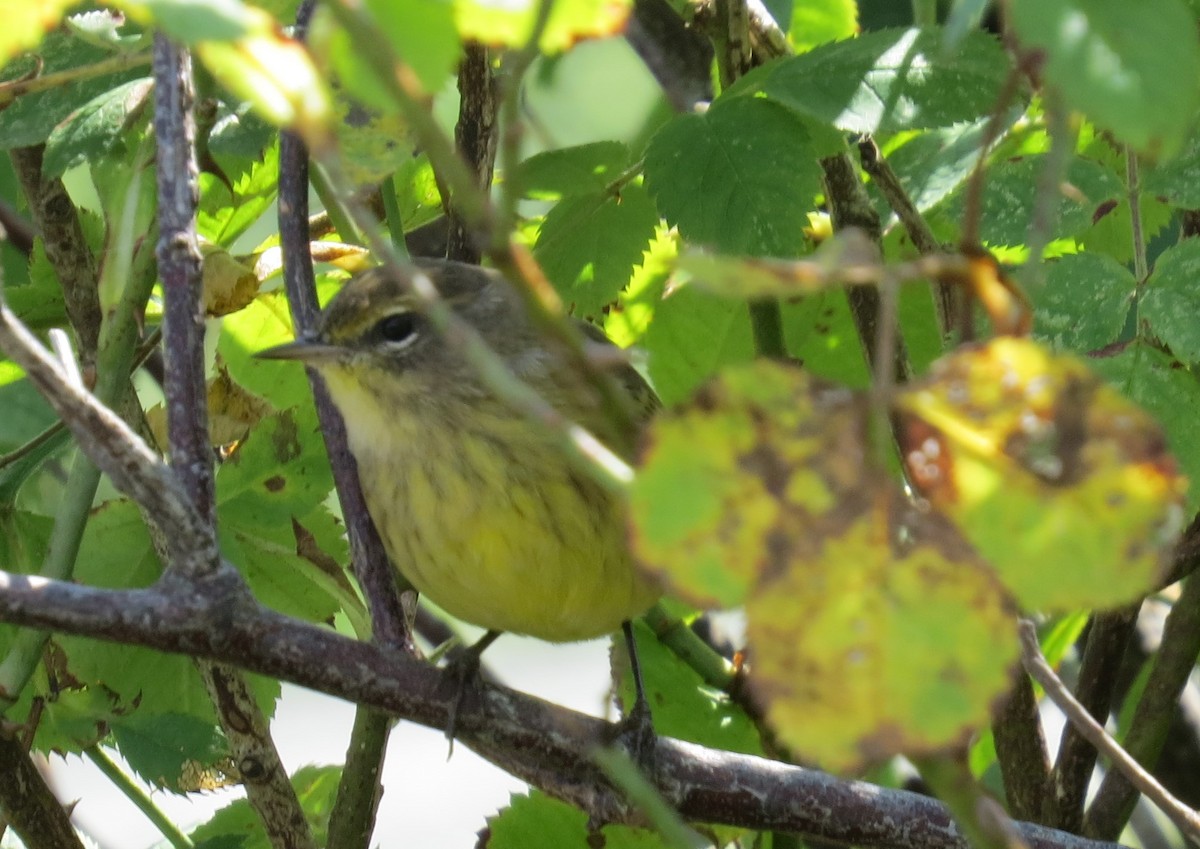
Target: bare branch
point(544, 744)
point(27, 803)
point(1148, 727)
point(1184, 817)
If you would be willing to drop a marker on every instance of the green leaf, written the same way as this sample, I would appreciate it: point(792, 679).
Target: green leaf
point(167, 750)
point(1169, 391)
point(933, 164)
point(588, 245)
point(509, 23)
point(1130, 67)
point(739, 178)
point(820, 333)
point(237, 825)
point(683, 706)
point(866, 649)
point(278, 476)
point(535, 821)
point(1177, 179)
point(97, 127)
point(692, 335)
point(221, 218)
point(1172, 299)
point(1010, 195)
point(583, 169)
point(1083, 302)
point(30, 119)
point(423, 35)
point(239, 134)
point(818, 21)
point(263, 324)
point(890, 80)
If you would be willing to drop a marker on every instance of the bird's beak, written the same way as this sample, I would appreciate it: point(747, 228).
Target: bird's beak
point(309, 351)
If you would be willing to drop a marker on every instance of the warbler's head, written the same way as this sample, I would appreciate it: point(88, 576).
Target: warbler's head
point(373, 326)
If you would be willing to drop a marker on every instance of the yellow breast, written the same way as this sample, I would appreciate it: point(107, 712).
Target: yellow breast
point(489, 520)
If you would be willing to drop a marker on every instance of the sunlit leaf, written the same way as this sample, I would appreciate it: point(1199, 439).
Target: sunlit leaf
point(1040, 462)
point(889, 637)
point(733, 485)
point(509, 23)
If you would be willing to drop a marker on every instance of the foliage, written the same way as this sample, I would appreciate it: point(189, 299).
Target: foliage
point(882, 521)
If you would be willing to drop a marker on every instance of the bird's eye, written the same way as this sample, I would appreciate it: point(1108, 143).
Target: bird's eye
point(397, 327)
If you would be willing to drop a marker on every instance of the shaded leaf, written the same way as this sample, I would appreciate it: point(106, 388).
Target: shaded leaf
point(739, 178)
point(890, 80)
point(573, 170)
point(29, 119)
point(1120, 63)
point(1172, 299)
point(1082, 304)
point(588, 244)
point(174, 752)
point(536, 821)
point(1010, 195)
point(237, 825)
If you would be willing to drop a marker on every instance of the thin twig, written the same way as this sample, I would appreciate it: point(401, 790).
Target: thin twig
point(475, 138)
point(57, 221)
point(352, 818)
point(1141, 268)
point(1172, 665)
point(1048, 190)
point(372, 568)
point(1184, 817)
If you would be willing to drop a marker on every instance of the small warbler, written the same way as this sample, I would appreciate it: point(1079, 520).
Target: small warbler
point(477, 506)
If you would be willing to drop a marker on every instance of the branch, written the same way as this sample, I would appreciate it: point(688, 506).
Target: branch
point(1151, 719)
point(370, 562)
point(27, 803)
point(475, 138)
point(850, 207)
point(57, 222)
point(1021, 751)
point(352, 818)
point(1066, 788)
point(1184, 817)
point(246, 728)
point(547, 745)
point(677, 57)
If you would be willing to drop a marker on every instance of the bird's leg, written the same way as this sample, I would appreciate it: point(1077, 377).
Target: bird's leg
point(462, 667)
point(635, 731)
